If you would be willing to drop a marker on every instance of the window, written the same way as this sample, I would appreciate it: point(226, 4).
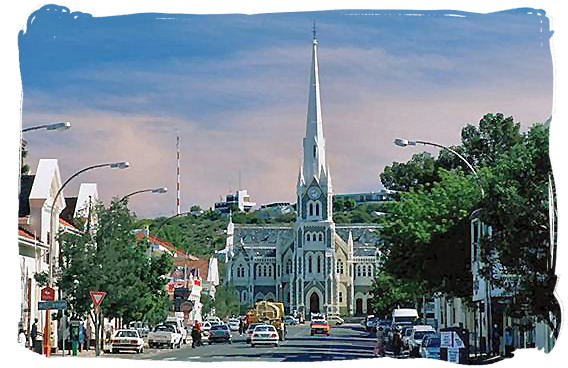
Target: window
point(317, 209)
point(310, 264)
point(319, 264)
point(314, 150)
point(264, 270)
point(244, 296)
point(340, 297)
point(269, 271)
point(320, 237)
point(370, 271)
point(364, 270)
point(358, 270)
point(311, 209)
point(339, 267)
point(289, 266)
point(308, 236)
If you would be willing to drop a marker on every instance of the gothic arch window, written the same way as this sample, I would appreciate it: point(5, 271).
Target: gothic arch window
point(311, 209)
point(319, 264)
point(370, 271)
point(364, 270)
point(320, 237)
point(314, 150)
point(244, 296)
point(317, 209)
point(358, 270)
point(310, 264)
point(289, 266)
point(270, 271)
point(340, 267)
point(308, 237)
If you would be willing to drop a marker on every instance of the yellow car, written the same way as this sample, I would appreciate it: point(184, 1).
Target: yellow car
point(320, 327)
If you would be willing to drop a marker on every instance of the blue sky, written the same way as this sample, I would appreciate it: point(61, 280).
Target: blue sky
point(235, 87)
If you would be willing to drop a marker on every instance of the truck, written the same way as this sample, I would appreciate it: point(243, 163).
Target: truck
point(404, 315)
point(164, 334)
point(271, 313)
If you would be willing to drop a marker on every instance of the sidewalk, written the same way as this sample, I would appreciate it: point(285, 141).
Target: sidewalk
point(484, 359)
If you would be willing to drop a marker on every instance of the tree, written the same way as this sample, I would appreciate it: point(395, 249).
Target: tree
point(521, 244)
point(110, 259)
point(425, 234)
point(389, 292)
point(401, 177)
point(226, 301)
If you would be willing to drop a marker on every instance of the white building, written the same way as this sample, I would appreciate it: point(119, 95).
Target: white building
point(312, 265)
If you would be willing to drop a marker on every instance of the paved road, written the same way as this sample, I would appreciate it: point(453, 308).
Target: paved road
point(345, 342)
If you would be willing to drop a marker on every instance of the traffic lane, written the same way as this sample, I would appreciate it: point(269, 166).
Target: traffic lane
point(343, 343)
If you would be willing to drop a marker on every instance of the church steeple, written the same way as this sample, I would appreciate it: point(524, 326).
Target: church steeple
point(314, 142)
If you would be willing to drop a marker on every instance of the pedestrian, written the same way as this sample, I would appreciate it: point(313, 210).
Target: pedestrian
point(496, 340)
point(33, 335)
point(508, 342)
point(22, 339)
point(241, 325)
point(397, 341)
point(87, 334)
point(380, 346)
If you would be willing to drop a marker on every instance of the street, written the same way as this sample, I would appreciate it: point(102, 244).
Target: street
point(349, 341)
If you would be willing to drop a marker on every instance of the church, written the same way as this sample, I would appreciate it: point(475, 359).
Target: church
point(313, 265)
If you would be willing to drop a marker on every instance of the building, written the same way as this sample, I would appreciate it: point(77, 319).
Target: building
point(367, 197)
point(241, 200)
point(312, 265)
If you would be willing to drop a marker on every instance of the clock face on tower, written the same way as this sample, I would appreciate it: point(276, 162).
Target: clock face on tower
point(314, 192)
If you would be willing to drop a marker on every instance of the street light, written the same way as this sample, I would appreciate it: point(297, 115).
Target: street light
point(112, 165)
point(52, 126)
point(160, 190)
point(405, 142)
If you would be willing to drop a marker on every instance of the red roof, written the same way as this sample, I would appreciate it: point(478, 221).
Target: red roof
point(66, 224)
point(168, 246)
point(201, 264)
point(24, 234)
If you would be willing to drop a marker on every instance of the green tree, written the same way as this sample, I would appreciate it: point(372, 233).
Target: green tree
point(110, 259)
point(389, 292)
point(517, 209)
point(226, 301)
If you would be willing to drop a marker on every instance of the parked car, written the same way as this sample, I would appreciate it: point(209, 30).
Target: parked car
point(178, 322)
point(291, 320)
point(141, 327)
point(264, 334)
point(336, 319)
point(406, 332)
point(317, 317)
point(415, 339)
point(370, 323)
point(249, 331)
point(219, 333)
point(234, 324)
point(126, 340)
point(164, 334)
point(319, 327)
point(213, 319)
point(430, 347)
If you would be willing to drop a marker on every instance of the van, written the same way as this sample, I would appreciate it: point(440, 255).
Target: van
point(178, 322)
point(404, 315)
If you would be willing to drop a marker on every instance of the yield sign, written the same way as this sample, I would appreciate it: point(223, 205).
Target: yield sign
point(97, 297)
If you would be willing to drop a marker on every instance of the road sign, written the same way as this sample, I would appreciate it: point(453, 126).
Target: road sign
point(98, 297)
point(48, 294)
point(60, 304)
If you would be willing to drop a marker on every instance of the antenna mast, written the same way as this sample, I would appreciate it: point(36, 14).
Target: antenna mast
point(178, 176)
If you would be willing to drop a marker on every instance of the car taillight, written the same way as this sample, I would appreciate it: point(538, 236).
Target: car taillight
point(114, 341)
point(133, 341)
point(273, 335)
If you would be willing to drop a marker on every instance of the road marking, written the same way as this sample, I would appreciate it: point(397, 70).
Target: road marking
point(170, 358)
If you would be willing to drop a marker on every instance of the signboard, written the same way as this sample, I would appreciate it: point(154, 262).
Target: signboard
point(60, 304)
point(98, 297)
point(48, 294)
point(445, 339)
point(458, 343)
point(454, 355)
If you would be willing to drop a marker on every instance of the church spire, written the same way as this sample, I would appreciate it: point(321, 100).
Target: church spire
point(314, 142)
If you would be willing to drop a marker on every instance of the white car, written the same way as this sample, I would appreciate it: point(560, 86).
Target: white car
point(291, 320)
point(415, 339)
point(164, 335)
point(214, 319)
point(250, 329)
point(264, 334)
point(126, 340)
point(179, 326)
point(234, 324)
point(205, 327)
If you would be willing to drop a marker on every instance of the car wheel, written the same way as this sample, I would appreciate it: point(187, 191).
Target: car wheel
point(171, 345)
point(252, 345)
point(229, 341)
point(114, 351)
point(210, 342)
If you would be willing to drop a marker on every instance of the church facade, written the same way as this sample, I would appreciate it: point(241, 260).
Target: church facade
point(313, 265)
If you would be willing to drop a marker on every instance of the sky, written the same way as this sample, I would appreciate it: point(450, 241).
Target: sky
point(235, 89)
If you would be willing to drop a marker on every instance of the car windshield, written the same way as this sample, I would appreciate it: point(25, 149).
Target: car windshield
point(318, 323)
point(264, 328)
point(218, 327)
point(434, 342)
point(127, 334)
point(420, 334)
point(252, 327)
point(167, 328)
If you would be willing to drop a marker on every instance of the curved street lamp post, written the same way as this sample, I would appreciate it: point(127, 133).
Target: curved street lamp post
point(160, 190)
point(51, 126)
point(113, 165)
